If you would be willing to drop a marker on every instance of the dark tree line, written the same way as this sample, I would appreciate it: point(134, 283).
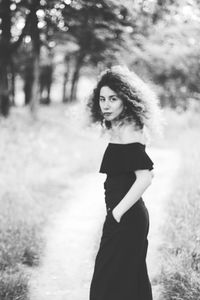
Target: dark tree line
point(146, 35)
point(8, 47)
point(66, 22)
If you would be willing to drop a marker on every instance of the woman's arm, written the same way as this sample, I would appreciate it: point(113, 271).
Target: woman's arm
point(143, 180)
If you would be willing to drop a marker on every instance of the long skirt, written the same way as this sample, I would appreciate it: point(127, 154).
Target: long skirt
point(120, 270)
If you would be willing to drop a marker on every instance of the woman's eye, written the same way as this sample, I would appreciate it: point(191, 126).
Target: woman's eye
point(101, 99)
point(113, 99)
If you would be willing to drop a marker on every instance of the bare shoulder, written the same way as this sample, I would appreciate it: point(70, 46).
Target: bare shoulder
point(131, 134)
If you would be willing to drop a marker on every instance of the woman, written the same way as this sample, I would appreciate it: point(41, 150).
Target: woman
point(125, 107)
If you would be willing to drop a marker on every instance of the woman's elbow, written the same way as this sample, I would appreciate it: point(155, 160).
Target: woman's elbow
point(145, 175)
point(149, 178)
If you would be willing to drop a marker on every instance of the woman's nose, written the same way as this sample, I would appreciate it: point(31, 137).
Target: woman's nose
point(106, 104)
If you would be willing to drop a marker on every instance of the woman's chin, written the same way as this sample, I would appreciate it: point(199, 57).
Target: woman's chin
point(113, 119)
point(108, 118)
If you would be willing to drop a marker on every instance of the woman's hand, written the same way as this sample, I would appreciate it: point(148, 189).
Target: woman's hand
point(116, 214)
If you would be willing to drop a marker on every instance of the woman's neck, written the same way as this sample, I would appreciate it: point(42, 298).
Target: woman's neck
point(126, 133)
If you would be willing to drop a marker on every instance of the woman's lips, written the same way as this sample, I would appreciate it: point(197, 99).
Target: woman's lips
point(107, 114)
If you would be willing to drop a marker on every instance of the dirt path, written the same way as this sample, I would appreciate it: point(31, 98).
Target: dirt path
point(74, 234)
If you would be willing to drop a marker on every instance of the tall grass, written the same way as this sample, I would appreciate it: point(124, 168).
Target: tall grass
point(38, 162)
point(180, 277)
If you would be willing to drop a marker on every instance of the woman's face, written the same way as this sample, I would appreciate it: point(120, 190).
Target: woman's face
point(110, 104)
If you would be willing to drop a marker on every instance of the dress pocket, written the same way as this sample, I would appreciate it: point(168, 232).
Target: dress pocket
point(110, 213)
point(111, 227)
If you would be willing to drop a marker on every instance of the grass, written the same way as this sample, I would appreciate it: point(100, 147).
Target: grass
point(14, 284)
point(180, 275)
point(38, 162)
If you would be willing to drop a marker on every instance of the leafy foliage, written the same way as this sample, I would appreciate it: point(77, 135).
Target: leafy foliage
point(157, 38)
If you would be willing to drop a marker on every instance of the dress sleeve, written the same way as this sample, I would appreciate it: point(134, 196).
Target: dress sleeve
point(140, 160)
point(123, 158)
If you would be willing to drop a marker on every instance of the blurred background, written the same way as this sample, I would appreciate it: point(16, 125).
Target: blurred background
point(51, 195)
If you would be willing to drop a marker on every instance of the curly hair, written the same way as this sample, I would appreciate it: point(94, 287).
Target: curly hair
point(140, 102)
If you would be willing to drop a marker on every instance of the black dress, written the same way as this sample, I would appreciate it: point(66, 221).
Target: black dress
point(120, 271)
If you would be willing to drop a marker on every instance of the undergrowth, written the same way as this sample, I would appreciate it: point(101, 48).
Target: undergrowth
point(39, 159)
point(180, 276)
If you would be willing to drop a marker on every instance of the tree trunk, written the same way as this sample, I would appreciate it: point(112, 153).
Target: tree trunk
point(28, 81)
point(12, 84)
point(5, 56)
point(35, 90)
point(74, 86)
point(75, 77)
point(35, 94)
point(4, 94)
point(45, 83)
point(65, 80)
point(64, 93)
point(49, 93)
point(49, 83)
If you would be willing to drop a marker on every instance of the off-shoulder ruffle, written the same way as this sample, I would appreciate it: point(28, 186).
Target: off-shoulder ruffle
point(120, 158)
